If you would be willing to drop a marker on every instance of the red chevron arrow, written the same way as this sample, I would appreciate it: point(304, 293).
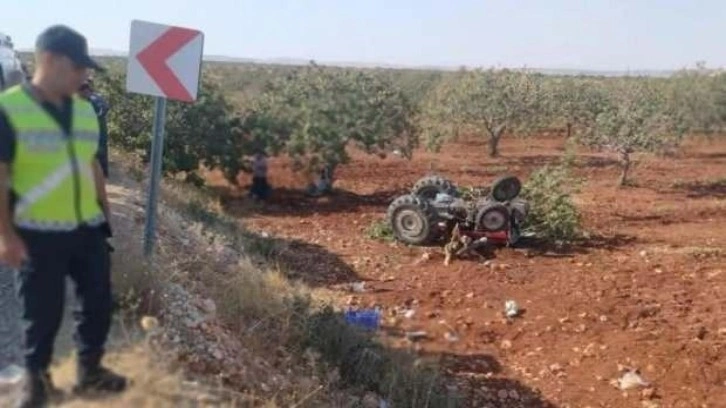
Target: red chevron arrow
point(153, 58)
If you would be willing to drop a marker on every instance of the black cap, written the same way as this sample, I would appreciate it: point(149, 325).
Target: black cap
point(63, 40)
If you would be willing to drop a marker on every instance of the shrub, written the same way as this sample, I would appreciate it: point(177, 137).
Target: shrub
point(553, 214)
point(381, 230)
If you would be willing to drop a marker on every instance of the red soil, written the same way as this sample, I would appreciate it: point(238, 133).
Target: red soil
point(648, 294)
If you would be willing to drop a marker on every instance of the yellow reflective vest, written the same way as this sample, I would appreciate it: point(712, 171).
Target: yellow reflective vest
point(52, 173)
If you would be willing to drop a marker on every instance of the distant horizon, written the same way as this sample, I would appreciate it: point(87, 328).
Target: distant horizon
point(222, 58)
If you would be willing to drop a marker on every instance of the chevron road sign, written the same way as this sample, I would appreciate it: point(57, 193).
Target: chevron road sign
point(164, 62)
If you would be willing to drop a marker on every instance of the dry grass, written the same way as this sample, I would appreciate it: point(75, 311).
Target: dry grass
point(156, 381)
point(153, 384)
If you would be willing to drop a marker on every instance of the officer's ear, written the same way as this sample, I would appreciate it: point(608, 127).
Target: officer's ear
point(46, 59)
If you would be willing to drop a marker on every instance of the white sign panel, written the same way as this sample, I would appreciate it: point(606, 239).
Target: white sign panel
point(164, 61)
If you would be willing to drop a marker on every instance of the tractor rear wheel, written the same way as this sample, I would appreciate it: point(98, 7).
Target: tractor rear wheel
point(429, 186)
point(413, 220)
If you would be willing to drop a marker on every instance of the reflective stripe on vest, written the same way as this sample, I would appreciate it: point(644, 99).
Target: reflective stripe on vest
point(47, 186)
point(44, 174)
point(57, 226)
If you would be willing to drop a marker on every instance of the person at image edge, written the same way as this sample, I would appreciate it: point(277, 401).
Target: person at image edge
point(53, 205)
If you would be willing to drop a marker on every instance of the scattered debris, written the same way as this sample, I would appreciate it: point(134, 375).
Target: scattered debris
point(511, 309)
point(368, 318)
point(631, 379)
point(451, 337)
point(358, 287)
point(150, 324)
point(416, 335)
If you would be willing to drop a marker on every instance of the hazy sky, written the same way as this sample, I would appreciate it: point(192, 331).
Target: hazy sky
point(584, 34)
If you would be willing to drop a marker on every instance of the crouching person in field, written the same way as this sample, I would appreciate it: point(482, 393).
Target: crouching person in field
point(324, 183)
point(260, 189)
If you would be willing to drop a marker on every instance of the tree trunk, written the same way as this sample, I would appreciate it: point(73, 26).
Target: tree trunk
point(494, 137)
point(625, 167)
point(569, 130)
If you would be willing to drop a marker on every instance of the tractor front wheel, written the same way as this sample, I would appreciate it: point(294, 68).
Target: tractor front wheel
point(413, 220)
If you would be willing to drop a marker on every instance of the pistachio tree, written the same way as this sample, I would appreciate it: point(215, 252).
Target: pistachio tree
point(487, 102)
point(720, 98)
point(695, 95)
point(319, 112)
point(575, 102)
point(637, 116)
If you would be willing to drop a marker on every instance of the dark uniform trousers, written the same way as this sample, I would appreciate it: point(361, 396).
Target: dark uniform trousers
point(83, 255)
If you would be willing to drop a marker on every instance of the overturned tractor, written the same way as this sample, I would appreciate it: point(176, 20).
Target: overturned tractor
point(432, 209)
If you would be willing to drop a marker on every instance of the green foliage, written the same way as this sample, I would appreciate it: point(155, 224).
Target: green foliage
point(695, 96)
point(201, 133)
point(311, 114)
point(490, 102)
point(637, 116)
point(719, 99)
point(317, 113)
point(131, 115)
point(381, 230)
point(574, 102)
point(553, 214)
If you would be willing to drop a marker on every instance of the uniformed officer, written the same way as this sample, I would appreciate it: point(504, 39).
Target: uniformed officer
point(52, 207)
point(88, 92)
point(101, 107)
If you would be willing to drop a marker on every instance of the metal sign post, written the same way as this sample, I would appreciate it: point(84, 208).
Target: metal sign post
point(157, 150)
point(166, 63)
